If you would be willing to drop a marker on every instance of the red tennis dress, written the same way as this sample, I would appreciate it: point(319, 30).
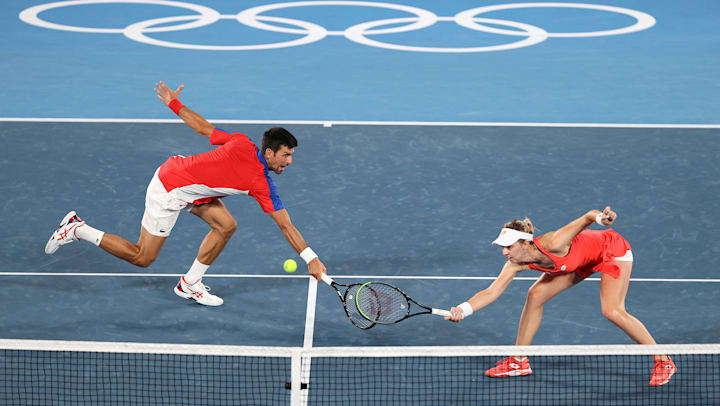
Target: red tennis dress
point(590, 251)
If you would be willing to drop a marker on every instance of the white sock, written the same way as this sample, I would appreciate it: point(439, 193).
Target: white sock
point(520, 359)
point(196, 272)
point(87, 233)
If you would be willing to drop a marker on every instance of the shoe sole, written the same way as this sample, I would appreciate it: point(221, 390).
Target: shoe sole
point(522, 372)
point(65, 220)
point(181, 293)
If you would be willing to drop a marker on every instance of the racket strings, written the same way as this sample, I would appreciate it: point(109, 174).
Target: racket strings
point(355, 315)
point(381, 303)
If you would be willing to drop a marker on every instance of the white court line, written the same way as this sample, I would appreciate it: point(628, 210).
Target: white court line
point(419, 277)
point(334, 122)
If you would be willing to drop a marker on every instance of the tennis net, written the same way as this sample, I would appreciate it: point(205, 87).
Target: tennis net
point(34, 372)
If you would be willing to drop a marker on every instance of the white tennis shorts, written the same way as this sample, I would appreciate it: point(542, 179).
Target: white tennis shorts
point(161, 208)
point(628, 257)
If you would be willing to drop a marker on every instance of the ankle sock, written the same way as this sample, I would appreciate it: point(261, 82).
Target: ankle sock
point(87, 233)
point(196, 272)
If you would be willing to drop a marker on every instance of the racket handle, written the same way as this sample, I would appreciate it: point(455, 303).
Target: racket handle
point(327, 279)
point(441, 312)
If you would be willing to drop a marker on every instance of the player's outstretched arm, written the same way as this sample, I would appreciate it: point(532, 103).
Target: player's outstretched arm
point(193, 120)
point(315, 267)
point(487, 295)
point(560, 239)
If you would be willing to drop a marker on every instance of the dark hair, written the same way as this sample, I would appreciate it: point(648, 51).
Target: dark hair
point(276, 137)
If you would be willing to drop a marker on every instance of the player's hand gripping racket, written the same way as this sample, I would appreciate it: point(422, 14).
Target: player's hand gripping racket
point(349, 303)
point(383, 303)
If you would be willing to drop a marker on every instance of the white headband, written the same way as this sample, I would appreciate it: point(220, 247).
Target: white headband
point(508, 236)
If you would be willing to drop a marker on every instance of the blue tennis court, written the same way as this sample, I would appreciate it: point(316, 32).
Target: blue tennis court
point(422, 128)
point(416, 203)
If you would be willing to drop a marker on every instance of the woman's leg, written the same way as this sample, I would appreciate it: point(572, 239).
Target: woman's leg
point(612, 299)
point(540, 292)
point(544, 289)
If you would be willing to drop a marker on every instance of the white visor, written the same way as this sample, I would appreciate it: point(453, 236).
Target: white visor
point(508, 236)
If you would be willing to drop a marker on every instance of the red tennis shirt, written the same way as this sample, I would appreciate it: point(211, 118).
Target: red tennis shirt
point(235, 168)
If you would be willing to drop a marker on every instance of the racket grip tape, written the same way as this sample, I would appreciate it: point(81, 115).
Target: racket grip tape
point(441, 312)
point(325, 278)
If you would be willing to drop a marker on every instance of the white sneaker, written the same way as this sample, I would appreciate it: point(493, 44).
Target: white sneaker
point(65, 233)
point(197, 291)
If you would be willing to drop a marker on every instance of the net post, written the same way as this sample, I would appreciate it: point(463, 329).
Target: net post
point(295, 377)
point(302, 369)
point(310, 313)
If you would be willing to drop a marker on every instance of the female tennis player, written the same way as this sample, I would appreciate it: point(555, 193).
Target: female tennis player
point(565, 256)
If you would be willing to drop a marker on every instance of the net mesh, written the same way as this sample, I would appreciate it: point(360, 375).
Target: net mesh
point(98, 378)
point(557, 380)
point(72, 373)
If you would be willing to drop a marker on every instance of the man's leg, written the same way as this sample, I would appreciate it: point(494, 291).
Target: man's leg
point(72, 228)
point(143, 253)
point(222, 226)
point(161, 213)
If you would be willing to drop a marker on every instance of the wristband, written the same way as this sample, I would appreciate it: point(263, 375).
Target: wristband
point(308, 255)
point(599, 219)
point(175, 106)
point(466, 309)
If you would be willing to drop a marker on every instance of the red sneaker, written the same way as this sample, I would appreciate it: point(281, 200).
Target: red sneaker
point(662, 372)
point(510, 366)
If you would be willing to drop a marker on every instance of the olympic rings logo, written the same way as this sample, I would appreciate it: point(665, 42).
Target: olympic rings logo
point(359, 33)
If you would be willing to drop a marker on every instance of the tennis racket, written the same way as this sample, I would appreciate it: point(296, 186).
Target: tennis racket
point(347, 297)
point(383, 303)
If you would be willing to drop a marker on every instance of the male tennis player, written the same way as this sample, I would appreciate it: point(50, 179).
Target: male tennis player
point(565, 257)
point(196, 184)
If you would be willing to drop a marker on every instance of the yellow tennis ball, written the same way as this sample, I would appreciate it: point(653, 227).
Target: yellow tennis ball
point(290, 265)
